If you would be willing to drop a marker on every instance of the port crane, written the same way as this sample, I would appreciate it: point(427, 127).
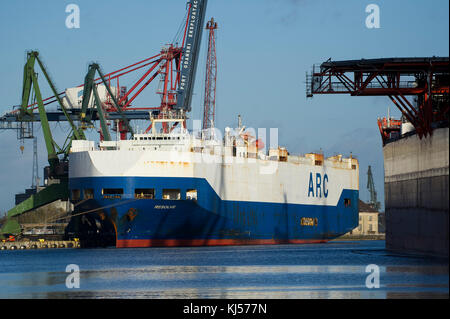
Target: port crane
point(424, 79)
point(175, 65)
point(31, 90)
point(374, 203)
point(90, 88)
point(58, 168)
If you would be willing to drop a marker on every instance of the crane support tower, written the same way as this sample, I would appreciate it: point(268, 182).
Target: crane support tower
point(211, 77)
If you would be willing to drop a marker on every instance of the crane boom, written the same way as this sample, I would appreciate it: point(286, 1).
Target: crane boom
point(189, 59)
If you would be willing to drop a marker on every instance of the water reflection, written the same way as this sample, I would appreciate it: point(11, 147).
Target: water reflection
point(285, 272)
point(329, 282)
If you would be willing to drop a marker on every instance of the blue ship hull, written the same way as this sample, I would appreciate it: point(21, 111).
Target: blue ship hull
point(209, 220)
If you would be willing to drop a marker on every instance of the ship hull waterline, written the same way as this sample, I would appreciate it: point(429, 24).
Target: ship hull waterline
point(209, 221)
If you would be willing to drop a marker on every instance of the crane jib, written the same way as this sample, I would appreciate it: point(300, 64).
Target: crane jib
point(190, 53)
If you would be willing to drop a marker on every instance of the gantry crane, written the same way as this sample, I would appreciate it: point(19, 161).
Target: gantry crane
point(425, 79)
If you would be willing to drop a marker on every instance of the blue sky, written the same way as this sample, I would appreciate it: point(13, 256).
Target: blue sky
point(264, 49)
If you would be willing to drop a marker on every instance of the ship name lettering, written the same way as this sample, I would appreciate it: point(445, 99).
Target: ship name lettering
point(318, 186)
point(165, 206)
point(308, 221)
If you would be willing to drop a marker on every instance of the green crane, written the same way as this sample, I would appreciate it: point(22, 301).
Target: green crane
point(90, 87)
point(31, 85)
point(57, 156)
point(373, 193)
point(57, 190)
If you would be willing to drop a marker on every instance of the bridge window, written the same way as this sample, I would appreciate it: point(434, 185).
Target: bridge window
point(191, 194)
point(171, 194)
point(144, 193)
point(347, 202)
point(112, 192)
point(88, 193)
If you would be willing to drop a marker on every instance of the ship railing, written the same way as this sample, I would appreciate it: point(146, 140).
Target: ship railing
point(336, 86)
point(109, 145)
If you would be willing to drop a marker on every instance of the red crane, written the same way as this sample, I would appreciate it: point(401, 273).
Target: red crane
point(424, 79)
point(211, 77)
point(176, 65)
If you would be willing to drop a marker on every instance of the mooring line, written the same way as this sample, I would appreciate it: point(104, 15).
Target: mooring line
point(100, 208)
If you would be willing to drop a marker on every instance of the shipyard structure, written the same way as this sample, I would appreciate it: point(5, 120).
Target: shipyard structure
point(415, 146)
point(416, 193)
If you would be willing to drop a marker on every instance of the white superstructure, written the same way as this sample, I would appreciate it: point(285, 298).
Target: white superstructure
point(234, 167)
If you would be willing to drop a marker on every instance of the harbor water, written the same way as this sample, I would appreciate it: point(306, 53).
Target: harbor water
point(338, 269)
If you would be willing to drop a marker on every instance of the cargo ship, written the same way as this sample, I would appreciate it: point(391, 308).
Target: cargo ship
point(181, 189)
point(174, 187)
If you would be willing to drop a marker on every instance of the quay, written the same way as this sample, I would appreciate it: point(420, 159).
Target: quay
point(42, 244)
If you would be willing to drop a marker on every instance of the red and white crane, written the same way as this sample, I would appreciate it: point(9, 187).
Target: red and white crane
point(176, 65)
point(209, 107)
